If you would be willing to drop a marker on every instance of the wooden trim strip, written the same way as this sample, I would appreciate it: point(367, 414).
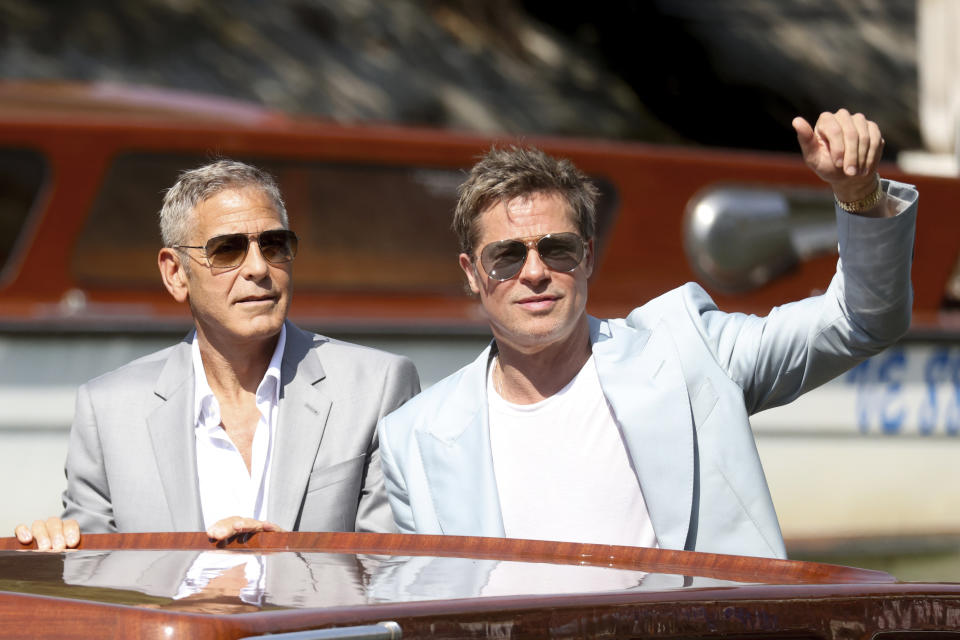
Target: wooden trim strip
point(736, 568)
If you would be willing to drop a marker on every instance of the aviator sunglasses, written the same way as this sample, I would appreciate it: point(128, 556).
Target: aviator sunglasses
point(228, 251)
point(504, 259)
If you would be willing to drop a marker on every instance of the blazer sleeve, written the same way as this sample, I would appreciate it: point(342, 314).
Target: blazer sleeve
point(87, 496)
point(801, 345)
point(400, 383)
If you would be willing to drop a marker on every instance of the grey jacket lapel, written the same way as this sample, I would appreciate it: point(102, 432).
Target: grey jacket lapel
point(641, 377)
point(171, 426)
point(457, 459)
point(301, 421)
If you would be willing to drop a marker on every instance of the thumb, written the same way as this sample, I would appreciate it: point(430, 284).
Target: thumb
point(805, 136)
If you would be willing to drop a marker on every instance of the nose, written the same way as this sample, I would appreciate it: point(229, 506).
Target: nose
point(533, 271)
point(254, 265)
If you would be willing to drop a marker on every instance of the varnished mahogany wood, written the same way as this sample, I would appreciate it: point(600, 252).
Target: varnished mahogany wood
point(739, 568)
point(775, 598)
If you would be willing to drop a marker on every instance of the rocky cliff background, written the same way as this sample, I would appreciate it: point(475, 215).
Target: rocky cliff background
point(730, 73)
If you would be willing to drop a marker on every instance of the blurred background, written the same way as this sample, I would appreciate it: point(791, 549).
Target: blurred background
point(730, 73)
point(682, 74)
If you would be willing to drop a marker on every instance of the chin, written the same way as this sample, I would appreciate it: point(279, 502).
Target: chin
point(537, 337)
point(263, 327)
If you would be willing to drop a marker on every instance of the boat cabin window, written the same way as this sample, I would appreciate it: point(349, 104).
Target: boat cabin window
point(22, 174)
point(362, 228)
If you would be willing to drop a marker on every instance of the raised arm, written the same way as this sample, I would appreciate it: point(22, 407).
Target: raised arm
point(866, 307)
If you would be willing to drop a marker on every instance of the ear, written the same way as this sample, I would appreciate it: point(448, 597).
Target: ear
point(468, 268)
point(588, 261)
point(173, 274)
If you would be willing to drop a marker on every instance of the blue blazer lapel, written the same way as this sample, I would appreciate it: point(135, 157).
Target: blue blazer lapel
point(457, 460)
point(171, 425)
point(301, 421)
point(642, 380)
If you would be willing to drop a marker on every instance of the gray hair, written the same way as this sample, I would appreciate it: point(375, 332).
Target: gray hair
point(503, 174)
point(198, 185)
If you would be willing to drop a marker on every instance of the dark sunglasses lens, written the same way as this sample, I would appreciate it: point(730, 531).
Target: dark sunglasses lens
point(503, 260)
point(561, 251)
point(278, 246)
point(228, 250)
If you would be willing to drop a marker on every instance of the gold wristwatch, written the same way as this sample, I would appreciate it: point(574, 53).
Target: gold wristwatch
point(863, 204)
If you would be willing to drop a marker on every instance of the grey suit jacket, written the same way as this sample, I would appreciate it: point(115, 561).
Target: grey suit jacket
point(682, 378)
point(131, 462)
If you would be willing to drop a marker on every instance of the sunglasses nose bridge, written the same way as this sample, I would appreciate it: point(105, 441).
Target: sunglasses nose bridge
point(243, 262)
point(533, 266)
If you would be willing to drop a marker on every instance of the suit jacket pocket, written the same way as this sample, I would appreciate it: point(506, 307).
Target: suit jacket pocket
point(339, 472)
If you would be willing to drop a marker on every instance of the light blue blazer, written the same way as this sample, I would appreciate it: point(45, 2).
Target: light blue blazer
point(682, 378)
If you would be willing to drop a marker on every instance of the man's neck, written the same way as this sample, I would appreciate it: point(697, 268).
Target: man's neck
point(233, 369)
point(525, 377)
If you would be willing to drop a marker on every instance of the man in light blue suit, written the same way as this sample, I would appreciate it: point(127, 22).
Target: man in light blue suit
point(633, 431)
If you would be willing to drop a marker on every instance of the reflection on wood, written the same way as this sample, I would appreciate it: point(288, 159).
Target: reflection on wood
point(435, 586)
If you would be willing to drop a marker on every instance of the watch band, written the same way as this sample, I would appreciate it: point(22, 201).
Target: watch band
point(863, 204)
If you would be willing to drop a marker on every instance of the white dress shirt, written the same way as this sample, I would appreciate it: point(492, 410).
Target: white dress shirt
point(226, 487)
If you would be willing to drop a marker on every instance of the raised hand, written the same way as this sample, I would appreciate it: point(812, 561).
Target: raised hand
point(844, 150)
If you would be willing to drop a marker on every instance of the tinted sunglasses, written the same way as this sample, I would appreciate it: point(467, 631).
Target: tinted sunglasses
point(504, 259)
point(229, 250)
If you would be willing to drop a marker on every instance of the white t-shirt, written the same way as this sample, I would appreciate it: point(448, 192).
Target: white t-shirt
point(562, 468)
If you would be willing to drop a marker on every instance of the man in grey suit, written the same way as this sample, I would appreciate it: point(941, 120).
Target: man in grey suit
point(249, 423)
point(633, 431)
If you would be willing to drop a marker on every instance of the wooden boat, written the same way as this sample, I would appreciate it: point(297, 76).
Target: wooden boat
point(871, 455)
point(347, 585)
point(84, 167)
